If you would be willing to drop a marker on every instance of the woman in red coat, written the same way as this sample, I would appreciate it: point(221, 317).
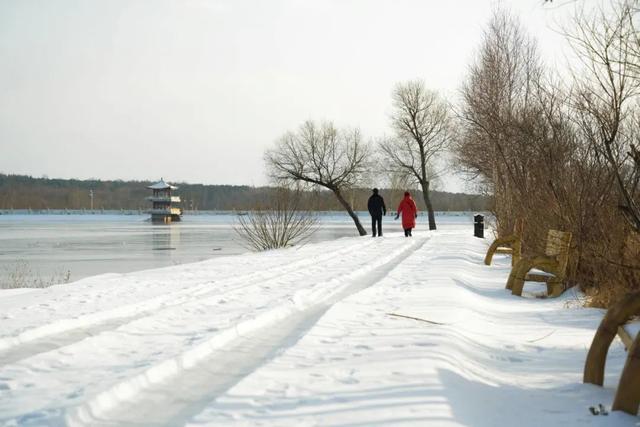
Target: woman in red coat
point(409, 213)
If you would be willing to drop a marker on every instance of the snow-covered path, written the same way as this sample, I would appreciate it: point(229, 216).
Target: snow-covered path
point(303, 337)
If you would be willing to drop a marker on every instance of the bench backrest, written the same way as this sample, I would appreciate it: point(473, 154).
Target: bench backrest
point(558, 246)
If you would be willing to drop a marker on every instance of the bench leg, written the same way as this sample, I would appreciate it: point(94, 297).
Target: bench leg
point(517, 252)
point(597, 355)
point(511, 279)
point(516, 278)
point(490, 252)
point(555, 287)
point(512, 242)
point(628, 393)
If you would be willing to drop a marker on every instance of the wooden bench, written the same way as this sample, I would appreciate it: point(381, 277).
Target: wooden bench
point(511, 245)
point(627, 396)
point(550, 267)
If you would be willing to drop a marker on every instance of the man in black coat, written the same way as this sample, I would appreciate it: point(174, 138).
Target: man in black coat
point(377, 209)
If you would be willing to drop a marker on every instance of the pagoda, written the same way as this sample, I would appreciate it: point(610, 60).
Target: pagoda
point(164, 209)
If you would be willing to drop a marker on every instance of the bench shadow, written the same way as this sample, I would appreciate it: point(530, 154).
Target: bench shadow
point(527, 406)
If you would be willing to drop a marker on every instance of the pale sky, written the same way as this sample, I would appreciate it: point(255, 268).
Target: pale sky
point(196, 90)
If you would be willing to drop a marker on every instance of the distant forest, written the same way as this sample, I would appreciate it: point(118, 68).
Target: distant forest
point(26, 192)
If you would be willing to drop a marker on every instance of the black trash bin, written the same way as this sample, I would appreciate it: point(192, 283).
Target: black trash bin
point(478, 226)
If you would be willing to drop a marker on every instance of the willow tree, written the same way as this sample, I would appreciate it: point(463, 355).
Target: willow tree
point(421, 122)
point(323, 156)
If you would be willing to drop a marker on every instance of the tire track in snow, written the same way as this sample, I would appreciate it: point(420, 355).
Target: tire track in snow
point(70, 330)
point(172, 391)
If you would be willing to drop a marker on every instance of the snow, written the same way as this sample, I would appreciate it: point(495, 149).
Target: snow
point(305, 336)
point(161, 185)
point(632, 328)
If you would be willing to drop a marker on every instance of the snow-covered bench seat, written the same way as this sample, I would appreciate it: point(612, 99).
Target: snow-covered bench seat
point(615, 322)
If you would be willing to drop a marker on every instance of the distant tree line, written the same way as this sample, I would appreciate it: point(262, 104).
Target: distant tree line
point(26, 192)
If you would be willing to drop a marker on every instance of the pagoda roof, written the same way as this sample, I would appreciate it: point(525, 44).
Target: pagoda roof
point(161, 185)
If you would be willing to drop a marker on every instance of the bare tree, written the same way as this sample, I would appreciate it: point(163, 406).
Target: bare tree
point(499, 116)
point(321, 155)
point(608, 46)
point(422, 126)
point(278, 224)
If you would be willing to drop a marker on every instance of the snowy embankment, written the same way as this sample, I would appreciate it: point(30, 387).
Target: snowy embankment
point(306, 336)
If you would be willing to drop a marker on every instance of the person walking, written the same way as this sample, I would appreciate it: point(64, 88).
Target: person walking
point(409, 211)
point(377, 209)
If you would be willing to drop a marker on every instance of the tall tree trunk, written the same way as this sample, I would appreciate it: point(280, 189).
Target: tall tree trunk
point(427, 202)
point(350, 211)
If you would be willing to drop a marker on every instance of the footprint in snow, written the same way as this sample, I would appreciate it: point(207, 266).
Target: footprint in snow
point(363, 347)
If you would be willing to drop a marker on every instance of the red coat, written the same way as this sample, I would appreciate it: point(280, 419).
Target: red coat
point(409, 211)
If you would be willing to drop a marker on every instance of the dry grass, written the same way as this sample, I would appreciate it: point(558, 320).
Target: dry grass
point(278, 224)
point(22, 275)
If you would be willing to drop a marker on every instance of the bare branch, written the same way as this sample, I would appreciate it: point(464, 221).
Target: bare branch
point(320, 154)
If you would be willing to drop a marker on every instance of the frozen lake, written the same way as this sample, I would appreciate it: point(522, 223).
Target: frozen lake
point(50, 247)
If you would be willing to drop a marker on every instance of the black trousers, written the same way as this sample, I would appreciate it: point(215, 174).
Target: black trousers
point(407, 232)
point(376, 221)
